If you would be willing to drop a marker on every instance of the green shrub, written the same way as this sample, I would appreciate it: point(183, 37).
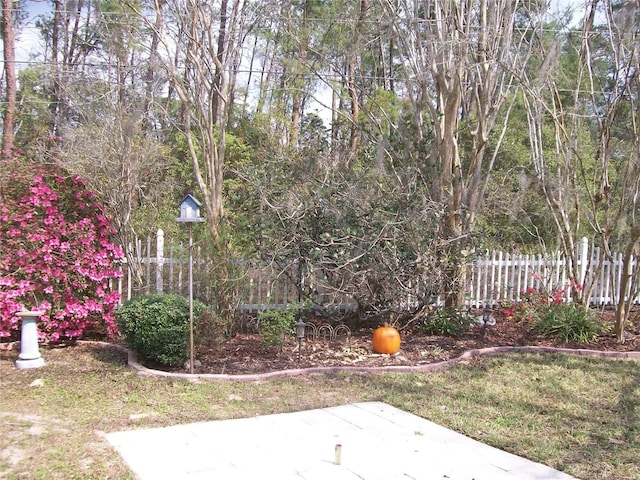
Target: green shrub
point(273, 325)
point(567, 322)
point(445, 321)
point(156, 326)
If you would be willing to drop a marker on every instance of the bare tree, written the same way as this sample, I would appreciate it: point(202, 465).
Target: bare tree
point(122, 164)
point(202, 63)
point(589, 173)
point(376, 246)
point(459, 60)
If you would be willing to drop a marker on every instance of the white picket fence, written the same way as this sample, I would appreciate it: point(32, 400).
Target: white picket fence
point(165, 269)
point(493, 278)
point(498, 276)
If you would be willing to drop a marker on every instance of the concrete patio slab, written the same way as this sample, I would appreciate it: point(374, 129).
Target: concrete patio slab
point(378, 442)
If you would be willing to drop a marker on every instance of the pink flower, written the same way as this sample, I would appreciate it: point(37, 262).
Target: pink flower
point(61, 242)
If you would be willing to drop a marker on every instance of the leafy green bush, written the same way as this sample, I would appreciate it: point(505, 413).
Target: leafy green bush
point(156, 326)
point(445, 321)
point(567, 322)
point(273, 325)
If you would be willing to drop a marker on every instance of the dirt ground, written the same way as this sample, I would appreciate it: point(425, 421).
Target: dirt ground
point(246, 353)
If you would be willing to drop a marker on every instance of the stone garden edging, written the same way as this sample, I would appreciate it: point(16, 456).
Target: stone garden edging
point(132, 360)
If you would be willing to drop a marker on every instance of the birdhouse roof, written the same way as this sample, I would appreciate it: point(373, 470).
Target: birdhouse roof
point(191, 199)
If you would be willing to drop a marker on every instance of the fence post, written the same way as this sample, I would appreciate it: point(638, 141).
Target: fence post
point(629, 274)
point(583, 259)
point(147, 280)
point(159, 260)
point(129, 276)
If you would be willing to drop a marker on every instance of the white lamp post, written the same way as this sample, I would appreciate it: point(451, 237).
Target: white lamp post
point(29, 354)
point(189, 214)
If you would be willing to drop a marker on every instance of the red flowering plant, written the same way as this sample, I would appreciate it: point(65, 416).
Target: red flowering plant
point(56, 252)
point(550, 314)
point(531, 301)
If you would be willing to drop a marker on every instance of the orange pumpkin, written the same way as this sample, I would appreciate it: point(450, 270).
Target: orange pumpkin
point(386, 340)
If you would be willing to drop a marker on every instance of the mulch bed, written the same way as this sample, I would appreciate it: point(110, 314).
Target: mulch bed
point(246, 353)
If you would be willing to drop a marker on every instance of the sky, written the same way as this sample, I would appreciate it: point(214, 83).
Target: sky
point(28, 43)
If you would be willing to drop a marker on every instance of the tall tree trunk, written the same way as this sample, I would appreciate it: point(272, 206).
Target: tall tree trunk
point(8, 37)
point(298, 94)
point(67, 55)
point(354, 140)
point(55, 51)
point(151, 69)
point(222, 40)
point(625, 282)
point(354, 135)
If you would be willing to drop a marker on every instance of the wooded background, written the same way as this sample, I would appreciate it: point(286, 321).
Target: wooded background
point(386, 142)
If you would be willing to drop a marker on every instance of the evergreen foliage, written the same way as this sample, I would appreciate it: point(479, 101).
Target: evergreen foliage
point(445, 321)
point(156, 326)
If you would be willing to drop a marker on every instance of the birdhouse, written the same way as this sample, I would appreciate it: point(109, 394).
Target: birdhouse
point(190, 210)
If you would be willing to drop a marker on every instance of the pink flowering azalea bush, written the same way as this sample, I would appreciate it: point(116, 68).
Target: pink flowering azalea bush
point(56, 253)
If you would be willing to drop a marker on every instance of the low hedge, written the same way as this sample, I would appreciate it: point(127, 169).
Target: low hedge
point(156, 326)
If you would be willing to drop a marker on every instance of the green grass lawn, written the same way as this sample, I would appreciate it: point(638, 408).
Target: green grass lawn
point(577, 414)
